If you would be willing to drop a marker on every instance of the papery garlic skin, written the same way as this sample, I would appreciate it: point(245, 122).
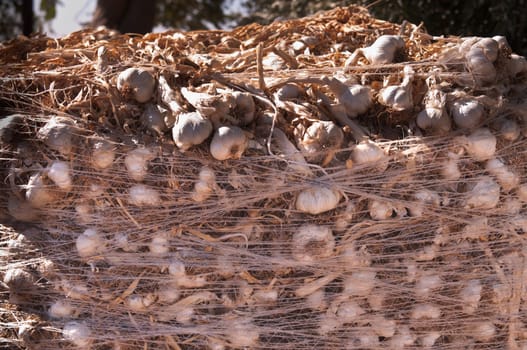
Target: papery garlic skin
point(312, 242)
point(317, 200)
point(228, 142)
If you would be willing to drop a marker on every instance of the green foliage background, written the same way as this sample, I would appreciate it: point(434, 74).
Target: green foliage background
point(440, 17)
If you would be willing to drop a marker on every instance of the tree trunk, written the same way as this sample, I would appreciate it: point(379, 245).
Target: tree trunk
point(126, 16)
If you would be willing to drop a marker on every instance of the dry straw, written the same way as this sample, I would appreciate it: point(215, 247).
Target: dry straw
point(334, 182)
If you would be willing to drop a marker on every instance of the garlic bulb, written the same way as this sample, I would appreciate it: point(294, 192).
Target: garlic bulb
point(423, 198)
point(422, 311)
point(57, 134)
point(380, 210)
point(471, 295)
point(142, 195)
point(60, 173)
point(450, 168)
point(317, 199)
point(368, 153)
point(204, 187)
point(476, 229)
point(516, 65)
point(428, 340)
point(349, 311)
point(136, 162)
point(399, 97)
point(359, 283)
point(434, 116)
point(228, 142)
point(38, 194)
point(355, 98)
point(467, 113)
point(522, 192)
point(506, 178)
point(382, 51)
point(137, 83)
point(153, 118)
point(480, 58)
point(103, 154)
point(383, 327)
point(484, 331)
point(78, 333)
point(426, 284)
point(190, 129)
point(484, 195)
point(403, 339)
point(244, 109)
point(510, 130)
point(159, 245)
point(60, 309)
point(18, 279)
point(480, 144)
point(312, 242)
point(318, 137)
point(181, 279)
point(88, 243)
point(168, 293)
point(242, 333)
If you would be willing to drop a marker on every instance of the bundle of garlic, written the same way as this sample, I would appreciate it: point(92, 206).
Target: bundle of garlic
point(292, 186)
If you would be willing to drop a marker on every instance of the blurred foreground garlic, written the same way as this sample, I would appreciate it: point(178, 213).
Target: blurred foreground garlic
point(382, 51)
point(60, 173)
point(480, 144)
point(78, 333)
point(103, 154)
point(38, 192)
point(204, 187)
point(369, 154)
point(136, 162)
point(137, 83)
point(480, 54)
point(142, 195)
point(311, 243)
point(484, 194)
point(506, 178)
point(89, 243)
point(58, 135)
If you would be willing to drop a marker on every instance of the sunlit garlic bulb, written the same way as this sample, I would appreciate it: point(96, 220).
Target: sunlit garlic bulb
point(136, 83)
point(382, 51)
point(317, 199)
point(190, 129)
point(78, 333)
point(467, 113)
point(318, 139)
point(399, 97)
point(228, 142)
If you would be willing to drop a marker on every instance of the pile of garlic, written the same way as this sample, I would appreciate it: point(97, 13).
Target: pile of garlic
point(220, 215)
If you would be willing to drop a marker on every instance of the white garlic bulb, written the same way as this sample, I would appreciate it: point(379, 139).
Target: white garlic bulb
point(190, 129)
point(480, 58)
point(228, 142)
point(382, 326)
point(516, 65)
point(320, 136)
point(506, 178)
point(480, 144)
point(368, 153)
point(382, 51)
point(57, 134)
point(78, 333)
point(522, 192)
point(242, 333)
point(450, 168)
point(467, 113)
point(426, 284)
point(137, 83)
point(317, 199)
point(399, 97)
point(312, 242)
point(204, 187)
point(434, 118)
point(153, 118)
point(142, 195)
point(349, 311)
point(103, 154)
point(422, 199)
point(428, 340)
point(245, 108)
point(355, 98)
point(88, 243)
point(60, 173)
point(483, 331)
point(380, 210)
point(136, 162)
point(485, 194)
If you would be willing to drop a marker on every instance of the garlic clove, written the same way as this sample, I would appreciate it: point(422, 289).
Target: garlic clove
point(190, 129)
point(137, 83)
point(317, 199)
point(228, 142)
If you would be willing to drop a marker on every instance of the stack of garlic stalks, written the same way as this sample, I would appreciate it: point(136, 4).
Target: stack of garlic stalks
point(332, 182)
